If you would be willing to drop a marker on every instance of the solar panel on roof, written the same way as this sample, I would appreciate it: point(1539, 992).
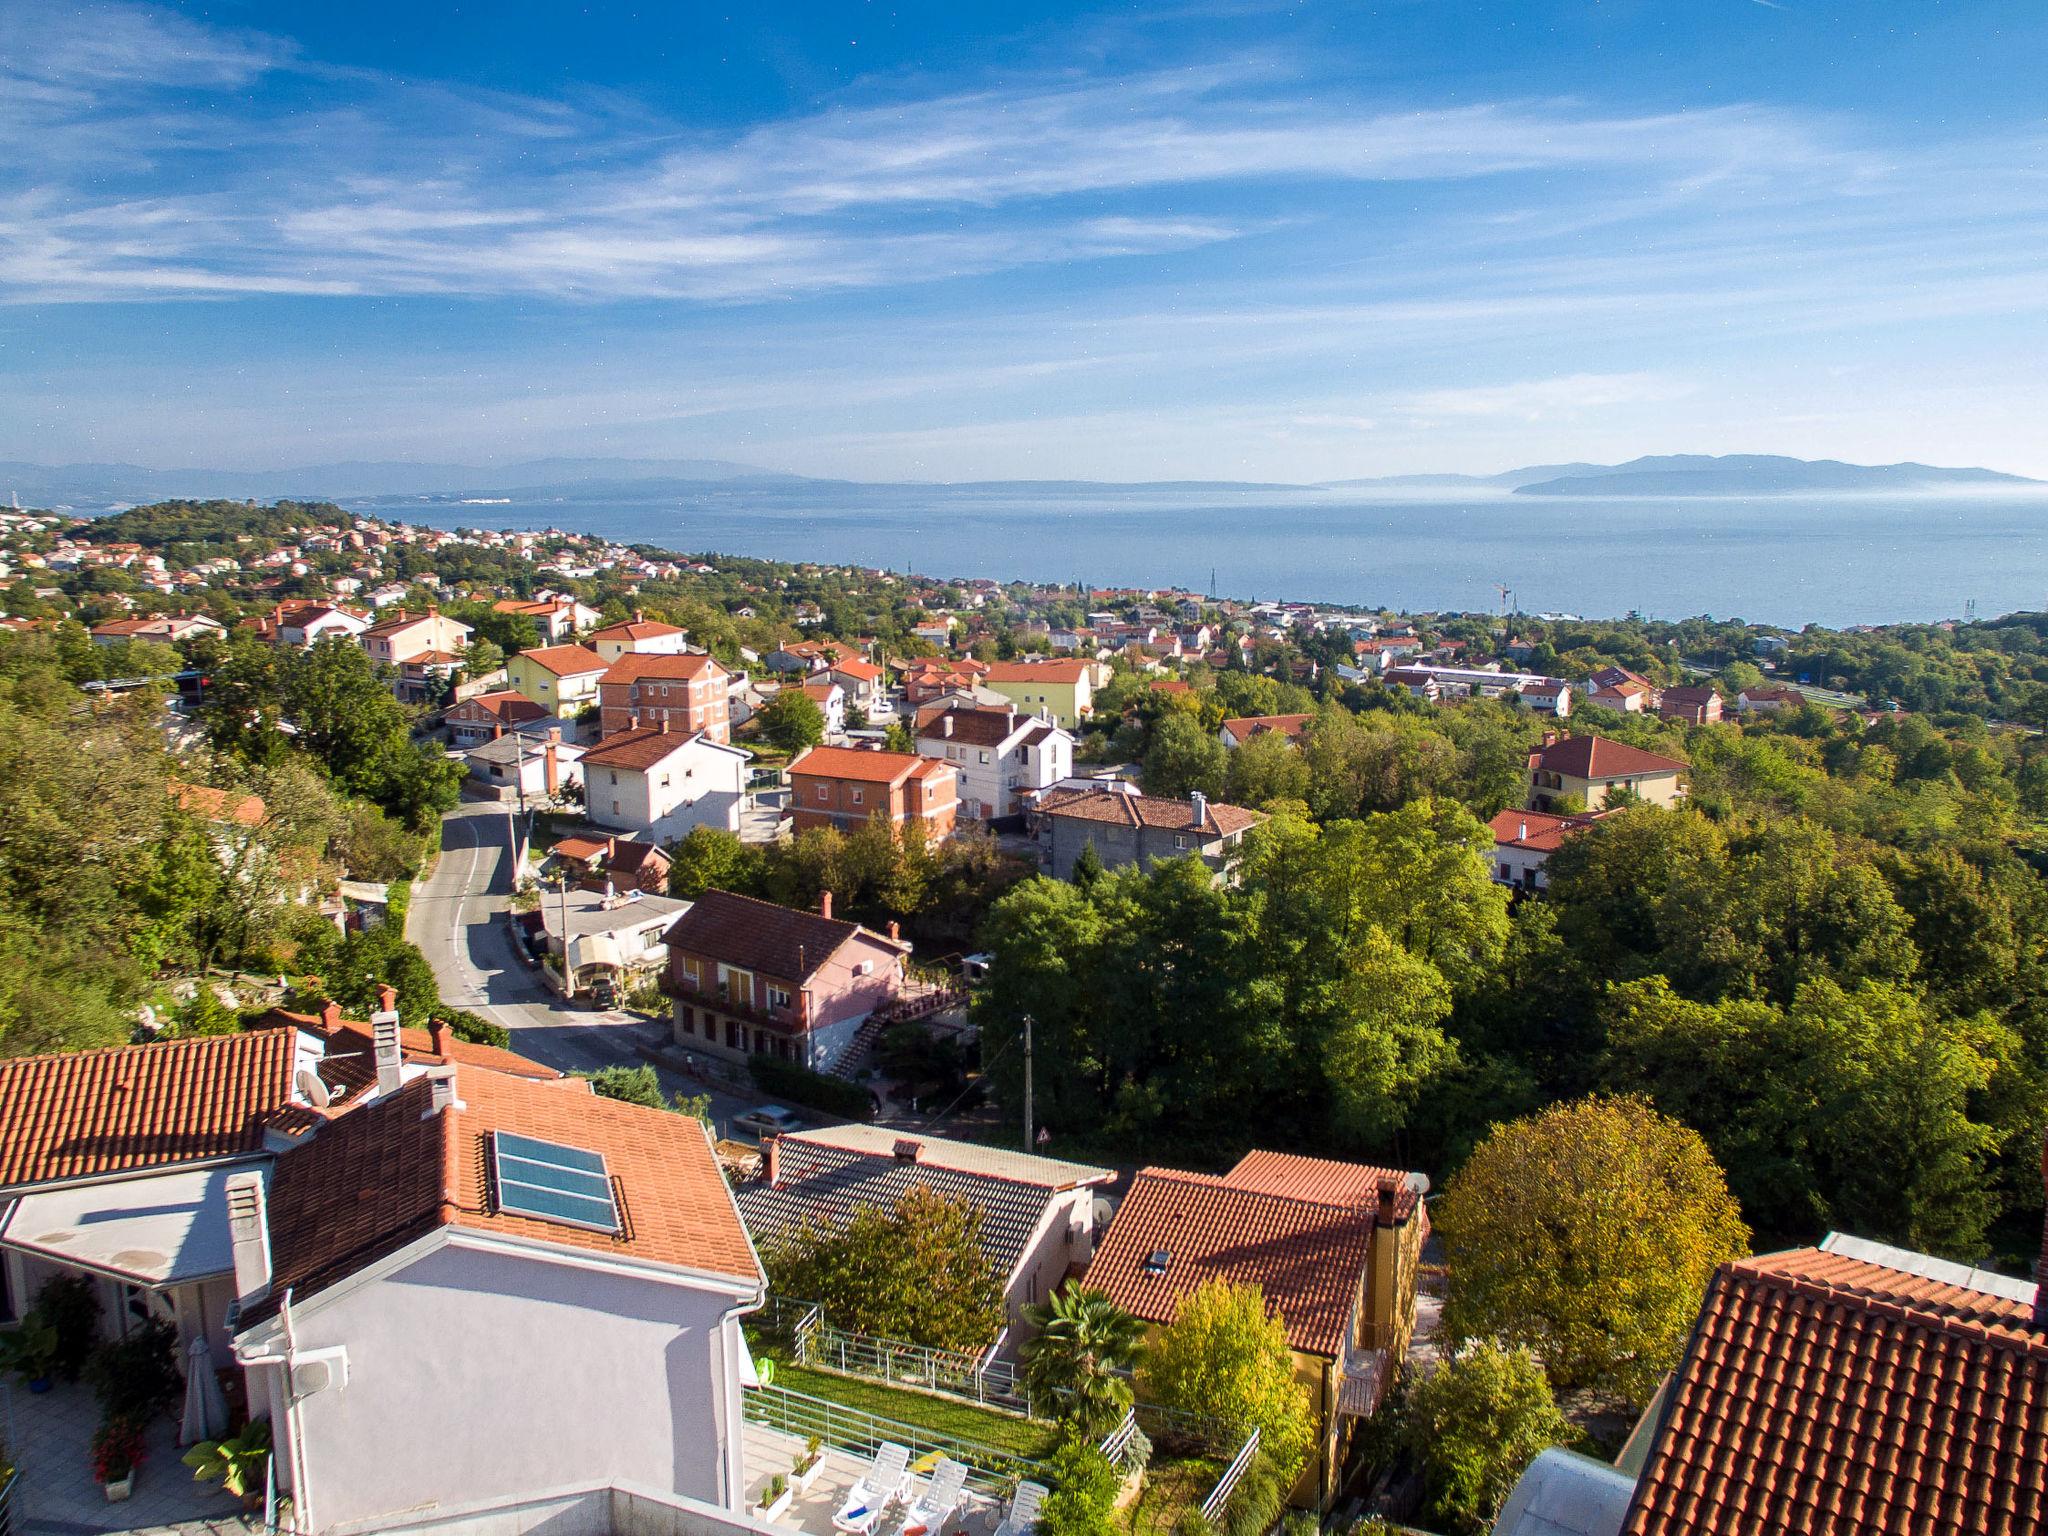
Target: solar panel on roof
point(552, 1183)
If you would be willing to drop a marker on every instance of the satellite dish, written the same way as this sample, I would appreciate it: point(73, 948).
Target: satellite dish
point(314, 1087)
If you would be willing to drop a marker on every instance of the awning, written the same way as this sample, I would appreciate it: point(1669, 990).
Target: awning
point(165, 1229)
point(596, 949)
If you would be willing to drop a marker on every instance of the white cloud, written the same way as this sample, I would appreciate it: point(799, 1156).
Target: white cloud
point(1543, 399)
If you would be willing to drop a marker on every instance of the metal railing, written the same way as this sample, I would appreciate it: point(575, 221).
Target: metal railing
point(990, 1469)
point(8, 1482)
point(1219, 1496)
point(977, 1379)
point(1117, 1442)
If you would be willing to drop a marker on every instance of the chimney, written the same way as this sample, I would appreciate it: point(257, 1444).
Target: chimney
point(497, 730)
point(895, 932)
point(387, 999)
point(824, 904)
point(1550, 738)
point(384, 1041)
point(441, 1090)
point(249, 1235)
point(1200, 804)
point(946, 724)
point(330, 1014)
point(908, 1150)
point(639, 616)
point(771, 1161)
point(1523, 835)
point(550, 765)
point(1385, 1218)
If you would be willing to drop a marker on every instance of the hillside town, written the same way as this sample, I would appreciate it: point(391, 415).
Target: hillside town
point(509, 1032)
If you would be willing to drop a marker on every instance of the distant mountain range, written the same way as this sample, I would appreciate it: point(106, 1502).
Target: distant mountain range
point(94, 486)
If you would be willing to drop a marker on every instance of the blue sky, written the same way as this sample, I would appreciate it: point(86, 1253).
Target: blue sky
point(1216, 239)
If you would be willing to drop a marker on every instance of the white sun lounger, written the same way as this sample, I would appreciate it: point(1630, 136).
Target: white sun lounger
point(882, 1481)
point(1023, 1516)
point(934, 1504)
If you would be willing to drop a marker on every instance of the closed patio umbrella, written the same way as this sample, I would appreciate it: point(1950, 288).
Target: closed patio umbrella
point(206, 1411)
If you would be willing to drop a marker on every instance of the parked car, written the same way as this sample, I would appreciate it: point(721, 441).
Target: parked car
point(768, 1120)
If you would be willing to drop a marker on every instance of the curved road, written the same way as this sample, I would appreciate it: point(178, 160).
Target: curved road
point(458, 920)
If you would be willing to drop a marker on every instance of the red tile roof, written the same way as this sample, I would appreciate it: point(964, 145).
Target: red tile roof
point(506, 704)
point(1055, 672)
point(637, 629)
point(1539, 831)
point(1246, 727)
point(566, 660)
point(391, 1171)
point(779, 942)
point(83, 1113)
point(1822, 1393)
point(1263, 1224)
point(635, 665)
point(218, 805)
point(972, 727)
point(866, 767)
point(854, 667)
point(639, 750)
point(1109, 805)
point(351, 1048)
point(1595, 757)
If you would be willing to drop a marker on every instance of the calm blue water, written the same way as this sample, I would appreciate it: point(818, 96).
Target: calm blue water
point(1782, 560)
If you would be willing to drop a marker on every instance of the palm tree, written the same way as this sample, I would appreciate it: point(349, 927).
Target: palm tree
point(1081, 1356)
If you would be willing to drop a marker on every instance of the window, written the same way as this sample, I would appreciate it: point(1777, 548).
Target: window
point(857, 797)
point(689, 1021)
point(735, 1038)
point(612, 776)
point(777, 998)
point(823, 794)
point(1180, 839)
point(649, 938)
point(984, 757)
point(690, 969)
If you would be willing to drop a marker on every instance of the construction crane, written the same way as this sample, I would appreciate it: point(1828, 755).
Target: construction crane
point(1507, 596)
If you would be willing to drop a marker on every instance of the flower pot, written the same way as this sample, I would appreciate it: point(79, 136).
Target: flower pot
point(118, 1490)
point(778, 1509)
point(802, 1477)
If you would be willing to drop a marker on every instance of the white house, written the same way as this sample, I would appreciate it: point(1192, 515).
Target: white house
point(831, 701)
point(639, 636)
point(1002, 754)
point(658, 784)
point(520, 765)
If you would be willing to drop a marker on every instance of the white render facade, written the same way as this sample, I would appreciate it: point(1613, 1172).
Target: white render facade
point(996, 774)
point(700, 784)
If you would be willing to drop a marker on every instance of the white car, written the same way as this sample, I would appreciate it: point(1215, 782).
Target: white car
point(768, 1120)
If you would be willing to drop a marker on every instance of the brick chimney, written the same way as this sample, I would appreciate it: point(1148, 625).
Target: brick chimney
point(1385, 1215)
point(639, 616)
point(330, 1014)
point(441, 1036)
point(550, 763)
point(771, 1161)
point(249, 1237)
point(824, 904)
point(387, 999)
point(895, 931)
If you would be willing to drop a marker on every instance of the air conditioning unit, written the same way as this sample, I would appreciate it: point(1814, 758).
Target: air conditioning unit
point(318, 1370)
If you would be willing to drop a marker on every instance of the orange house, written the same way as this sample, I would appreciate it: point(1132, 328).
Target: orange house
point(842, 787)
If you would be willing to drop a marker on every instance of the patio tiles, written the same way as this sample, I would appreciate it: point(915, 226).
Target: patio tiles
point(769, 1451)
point(51, 1434)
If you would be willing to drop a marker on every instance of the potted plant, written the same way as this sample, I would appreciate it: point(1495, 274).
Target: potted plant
point(236, 1463)
point(808, 1461)
point(30, 1351)
point(775, 1498)
point(117, 1450)
point(136, 1378)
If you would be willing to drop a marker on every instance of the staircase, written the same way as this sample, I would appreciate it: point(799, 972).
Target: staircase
point(849, 1061)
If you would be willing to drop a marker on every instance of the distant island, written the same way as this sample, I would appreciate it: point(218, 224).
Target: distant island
point(586, 479)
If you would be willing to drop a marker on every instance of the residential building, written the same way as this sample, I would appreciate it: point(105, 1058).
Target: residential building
point(561, 677)
point(301, 624)
point(1336, 1249)
point(1587, 769)
point(1694, 706)
point(1235, 733)
point(609, 937)
point(617, 863)
point(1523, 842)
point(1125, 827)
point(689, 691)
point(526, 766)
point(830, 699)
point(1003, 756)
point(639, 636)
point(1065, 690)
point(659, 783)
point(753, 978)
point(1849, 1388)
point(487, 716)
point(405, 637)
point(1768, 701)
point(1038, 1214)
point(1620, 689)
point(843, 787)
point(1420, 682)
point(866, 685)
point(558, 619)
point(163, 628)
point(1547, 696)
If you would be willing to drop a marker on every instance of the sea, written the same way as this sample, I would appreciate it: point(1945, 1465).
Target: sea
point(1787, 560)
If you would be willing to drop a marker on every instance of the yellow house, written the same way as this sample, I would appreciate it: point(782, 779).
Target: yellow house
point(1588, 769)
point(1063, 689)
point(561, 678)
point(1336, 1249)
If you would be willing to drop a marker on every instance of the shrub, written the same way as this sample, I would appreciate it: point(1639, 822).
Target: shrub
point(70, 1305)
point(814, 1090)
point(137, 1378)
point(117, 1449)
point(1474, 1423)
point(1083, 1497)
point(1255, 1503)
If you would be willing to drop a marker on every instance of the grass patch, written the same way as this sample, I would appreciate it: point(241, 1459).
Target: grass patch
point(963, 1421)
point(1171, 1488)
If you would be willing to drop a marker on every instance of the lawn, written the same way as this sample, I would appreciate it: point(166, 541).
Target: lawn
point(964, 1421)
point(1171, 1488)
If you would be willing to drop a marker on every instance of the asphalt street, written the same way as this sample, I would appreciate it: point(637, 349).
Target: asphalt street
point(458, 919)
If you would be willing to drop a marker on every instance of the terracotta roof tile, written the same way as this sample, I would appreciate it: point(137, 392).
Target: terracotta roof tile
point(1539, 831)
point(1058, 673)
point(381, 1175)
point(867, 767)
point(640, 750)
point(83, 1113)
point(1828, 1395)
point(1246, 727)
point(755, 935)
point(973, 727)
point(1596, 757)
point(1111, 805)
point(637, 629)
point(506, 704)
point(566, 660)
point(636, 665)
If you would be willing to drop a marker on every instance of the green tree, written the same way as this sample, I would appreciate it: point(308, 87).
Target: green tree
point(1183, 759)
point(1588, 1233)
point(713, 859)
point(1083, 1497)
point(792, 720)
point(482, 656)
point(1225, 1358)
point(917, 1273)
point(1267, 768)
point(1079, 1358)
point(1474, 1423)
point(629, 1085)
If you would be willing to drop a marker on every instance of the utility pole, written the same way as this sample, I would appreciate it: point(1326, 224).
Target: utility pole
point(568, 965)
point(1029, 1145)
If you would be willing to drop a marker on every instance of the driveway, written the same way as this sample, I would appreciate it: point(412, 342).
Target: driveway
point(458, 920)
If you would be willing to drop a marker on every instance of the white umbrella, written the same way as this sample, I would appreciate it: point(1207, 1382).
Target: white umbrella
point(206, 1411)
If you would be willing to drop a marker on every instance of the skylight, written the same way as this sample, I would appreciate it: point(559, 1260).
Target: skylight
point(554, 1183)
point(1158, 1261)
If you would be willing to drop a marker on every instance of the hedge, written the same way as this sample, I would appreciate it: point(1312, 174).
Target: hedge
point(800, 1085)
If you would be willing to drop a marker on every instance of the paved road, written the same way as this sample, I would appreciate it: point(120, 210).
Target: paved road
point(458, 921)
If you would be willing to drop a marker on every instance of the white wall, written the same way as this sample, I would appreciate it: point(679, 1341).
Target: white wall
point(705, 787)
point(476, 1375)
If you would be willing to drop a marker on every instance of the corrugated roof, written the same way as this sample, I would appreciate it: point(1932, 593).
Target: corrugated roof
point(1823, 1393)
point(83, 1113)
